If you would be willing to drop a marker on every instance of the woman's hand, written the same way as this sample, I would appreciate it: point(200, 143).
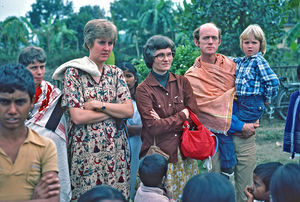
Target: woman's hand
point(154, 114)
point(93, 105)
point(186, 112)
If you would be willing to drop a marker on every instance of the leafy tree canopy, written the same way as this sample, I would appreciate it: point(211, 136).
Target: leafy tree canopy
point(42, 10)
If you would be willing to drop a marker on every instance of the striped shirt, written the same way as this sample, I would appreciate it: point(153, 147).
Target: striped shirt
point(255, 77)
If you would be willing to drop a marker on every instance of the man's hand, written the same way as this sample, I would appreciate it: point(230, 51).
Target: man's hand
point(256, 124)
point(247, 131)
point(47, 187)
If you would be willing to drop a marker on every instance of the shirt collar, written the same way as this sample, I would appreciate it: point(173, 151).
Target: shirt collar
point(258, 54)
point(151, 80)
point(34, 138)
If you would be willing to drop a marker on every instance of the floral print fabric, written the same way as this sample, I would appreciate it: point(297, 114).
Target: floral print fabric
point(179, 173)
point(98, 152)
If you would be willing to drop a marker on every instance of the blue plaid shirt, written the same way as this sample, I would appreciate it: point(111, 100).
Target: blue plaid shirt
point(255, 77)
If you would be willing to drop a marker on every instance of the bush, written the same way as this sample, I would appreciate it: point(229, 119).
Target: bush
point(183, 60)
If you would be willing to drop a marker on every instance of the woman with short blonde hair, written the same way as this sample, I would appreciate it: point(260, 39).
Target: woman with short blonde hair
point(97, 97)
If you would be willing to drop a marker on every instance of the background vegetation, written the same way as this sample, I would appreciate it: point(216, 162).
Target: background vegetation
point(54, 26)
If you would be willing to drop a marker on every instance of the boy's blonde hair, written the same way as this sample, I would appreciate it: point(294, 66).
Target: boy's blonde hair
point(258, 34)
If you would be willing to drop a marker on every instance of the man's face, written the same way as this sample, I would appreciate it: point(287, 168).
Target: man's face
point(37, 70)
point(14, 109)
point(209, 41)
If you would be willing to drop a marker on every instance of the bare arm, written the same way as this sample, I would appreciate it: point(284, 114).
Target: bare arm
point(47, 190)
point(124, 110)
point(84, 116)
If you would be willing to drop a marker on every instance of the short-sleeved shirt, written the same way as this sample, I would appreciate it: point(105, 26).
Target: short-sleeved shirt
point(36, 156)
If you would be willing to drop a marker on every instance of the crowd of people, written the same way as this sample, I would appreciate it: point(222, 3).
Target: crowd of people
point(90, 140)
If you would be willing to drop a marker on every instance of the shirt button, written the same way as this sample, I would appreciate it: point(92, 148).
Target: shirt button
point(175, 135)
point(170, 105)
point(167, 93)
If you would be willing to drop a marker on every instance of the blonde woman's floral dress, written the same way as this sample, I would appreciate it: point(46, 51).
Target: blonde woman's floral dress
point(99, 152)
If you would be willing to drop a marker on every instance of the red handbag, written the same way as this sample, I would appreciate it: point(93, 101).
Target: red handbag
point(200, 143)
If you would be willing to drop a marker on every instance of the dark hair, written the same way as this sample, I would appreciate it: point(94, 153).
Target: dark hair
point(212, 187)
point(129, 67)
point(265, 171)
point(285, 186)
point(16, 77)
point(155, 43)
point(31, 54)
point(101, 192)
point(152, 169)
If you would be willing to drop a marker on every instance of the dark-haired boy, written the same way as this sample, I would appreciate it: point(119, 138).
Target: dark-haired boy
point(28, 162)
point(153, 171)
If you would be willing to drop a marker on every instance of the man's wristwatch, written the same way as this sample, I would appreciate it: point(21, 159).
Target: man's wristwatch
point(103, 106)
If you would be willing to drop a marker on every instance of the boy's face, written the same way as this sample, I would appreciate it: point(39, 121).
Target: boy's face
point(250, 46)
point(14, 109)
point(259, 191)
point(37, 70)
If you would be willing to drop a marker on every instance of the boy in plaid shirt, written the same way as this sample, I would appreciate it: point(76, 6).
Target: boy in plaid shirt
point(255, 83)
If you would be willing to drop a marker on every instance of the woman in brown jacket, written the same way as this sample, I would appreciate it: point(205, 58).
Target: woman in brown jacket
point(162, 99)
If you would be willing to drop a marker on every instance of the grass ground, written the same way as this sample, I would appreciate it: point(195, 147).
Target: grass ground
point(269, 140)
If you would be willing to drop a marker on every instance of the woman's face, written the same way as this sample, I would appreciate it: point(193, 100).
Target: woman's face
point(163, 59)
point(130, 79)
point(101, 50)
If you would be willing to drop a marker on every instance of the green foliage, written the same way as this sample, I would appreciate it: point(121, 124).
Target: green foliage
point(141, 68)
point(77, 21)
point(52, 25)
point(233, 16)
point(184, 58)
point(111, 59)
point(43, 10)
point(14, 33)
point(139, 20)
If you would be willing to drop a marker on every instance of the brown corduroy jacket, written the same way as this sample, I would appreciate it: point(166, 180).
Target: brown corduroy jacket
point(167, 103)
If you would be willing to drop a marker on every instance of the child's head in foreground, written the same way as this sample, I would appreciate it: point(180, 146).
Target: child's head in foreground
point(252, 40)
point(212, 187)
point(262, 175)
point(102, 193)
point(153, 169)
point(285, 183)
point(16, 77)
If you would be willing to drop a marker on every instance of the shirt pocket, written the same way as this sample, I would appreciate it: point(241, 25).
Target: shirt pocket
point(34, 175)
point(178, 103)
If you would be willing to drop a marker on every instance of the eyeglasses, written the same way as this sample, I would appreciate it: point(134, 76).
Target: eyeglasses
point(162, 56)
